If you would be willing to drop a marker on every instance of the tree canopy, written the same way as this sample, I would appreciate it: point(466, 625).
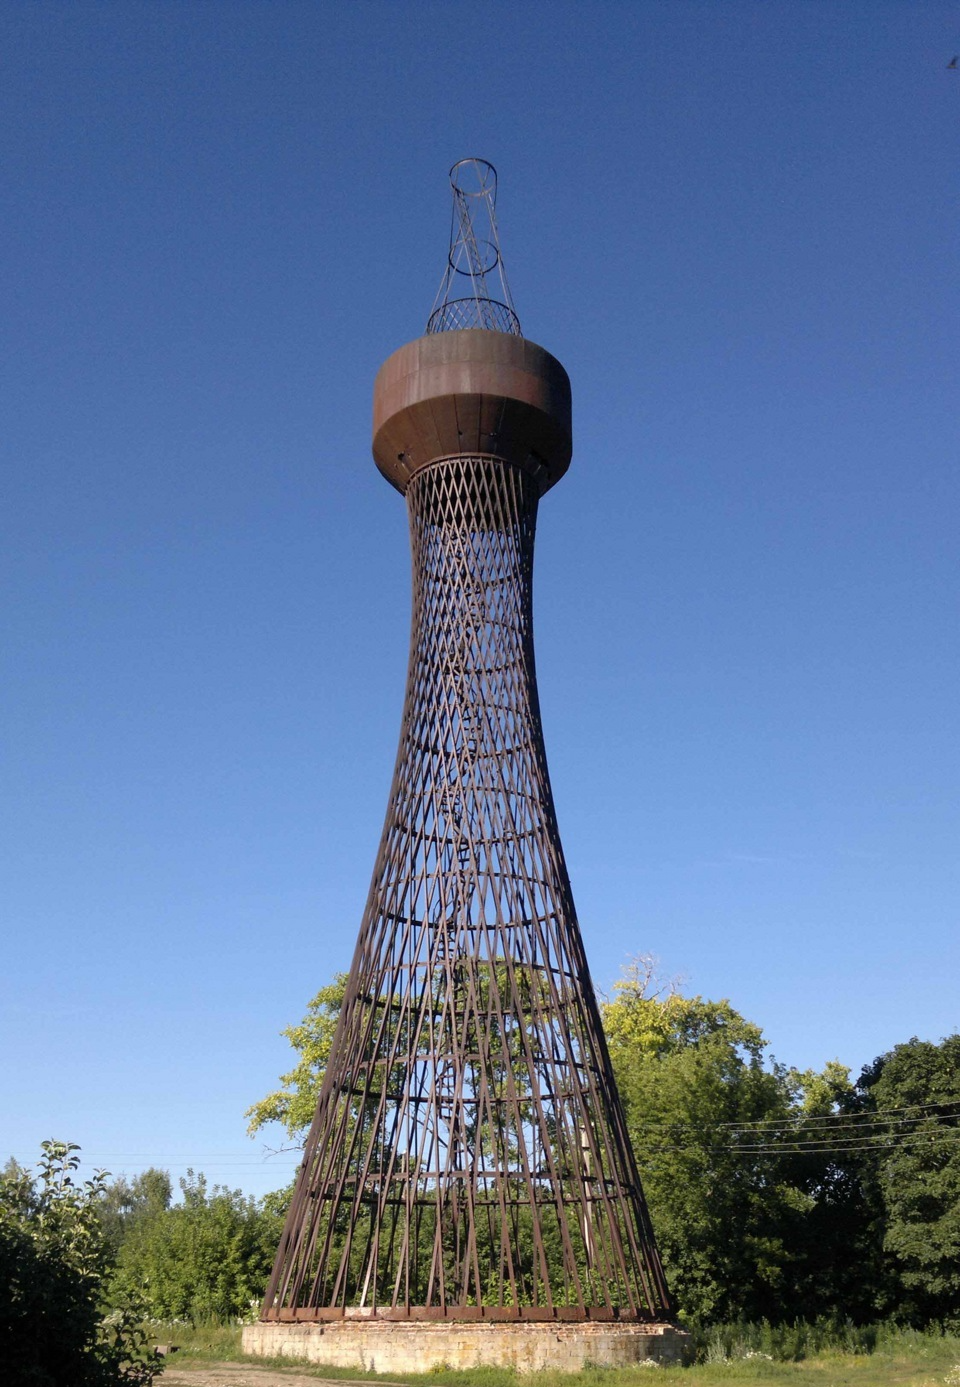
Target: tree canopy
point(774, 1193)
point(705, 1114)
point(914, 1090)
point(294, 1103)
point(206, 1257)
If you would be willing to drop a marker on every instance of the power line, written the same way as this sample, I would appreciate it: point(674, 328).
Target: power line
point(796, 1126)
point(946, 1135)
point(149, 1162)
point(887, 1115)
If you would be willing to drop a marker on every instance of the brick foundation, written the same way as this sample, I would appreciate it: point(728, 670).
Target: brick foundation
point(416, 1347)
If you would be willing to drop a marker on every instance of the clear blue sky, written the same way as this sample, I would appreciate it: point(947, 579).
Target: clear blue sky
point(736, 224)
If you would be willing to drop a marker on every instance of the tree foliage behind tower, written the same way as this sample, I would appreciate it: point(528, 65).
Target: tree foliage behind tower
point(914, 1090)
point(763, 1208)
point(691, 1071)
point(774, 1193)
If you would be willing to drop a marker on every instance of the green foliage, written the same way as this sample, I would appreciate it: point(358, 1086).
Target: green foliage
point(125, 1202)
point(838, 1264)
point(756, 1215)
point(802, 1339)
point(294, 1104)
point(772, 1194)
point(207, 1257)
point(916, 1087)
point(687, 1069)
point(54, 1264)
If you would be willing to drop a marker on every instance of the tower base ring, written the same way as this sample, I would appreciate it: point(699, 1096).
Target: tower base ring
point(383, 1346)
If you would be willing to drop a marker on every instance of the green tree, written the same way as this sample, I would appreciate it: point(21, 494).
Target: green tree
point(56, 1327)
point(125, 1201)
point(691, 1076)
point(205, 1258)
point(757, 1213)
point(839, 1268)
point(914, 1091)
point(294, 1103)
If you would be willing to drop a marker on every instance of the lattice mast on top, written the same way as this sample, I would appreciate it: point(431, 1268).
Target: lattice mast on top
point(474, 292)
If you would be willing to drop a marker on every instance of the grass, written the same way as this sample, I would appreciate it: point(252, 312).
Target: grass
point(881, 1356)
point(199, 1343)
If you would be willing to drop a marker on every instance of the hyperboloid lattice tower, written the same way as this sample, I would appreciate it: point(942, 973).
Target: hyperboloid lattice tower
point(468, 1159)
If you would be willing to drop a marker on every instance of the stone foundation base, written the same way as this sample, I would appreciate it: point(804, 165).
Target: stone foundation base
point(417, 1347)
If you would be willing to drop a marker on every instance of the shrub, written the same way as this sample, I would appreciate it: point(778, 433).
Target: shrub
point(203, 1259)
point(55, 1326)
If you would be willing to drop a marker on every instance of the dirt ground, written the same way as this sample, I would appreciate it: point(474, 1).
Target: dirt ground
point(236, 1375)
point(242, 1375)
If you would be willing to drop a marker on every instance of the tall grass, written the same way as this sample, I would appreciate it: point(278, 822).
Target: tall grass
point(791, 1343)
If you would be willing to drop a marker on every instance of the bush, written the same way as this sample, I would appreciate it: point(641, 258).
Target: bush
point(55, 1323)
point(203, 1259)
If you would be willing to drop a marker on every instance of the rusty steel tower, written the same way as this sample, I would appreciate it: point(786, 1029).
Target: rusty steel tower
point(469, 1159)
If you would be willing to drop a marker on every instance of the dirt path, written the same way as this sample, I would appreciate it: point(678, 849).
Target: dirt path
point(242, 1375)
point(231, 1375)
